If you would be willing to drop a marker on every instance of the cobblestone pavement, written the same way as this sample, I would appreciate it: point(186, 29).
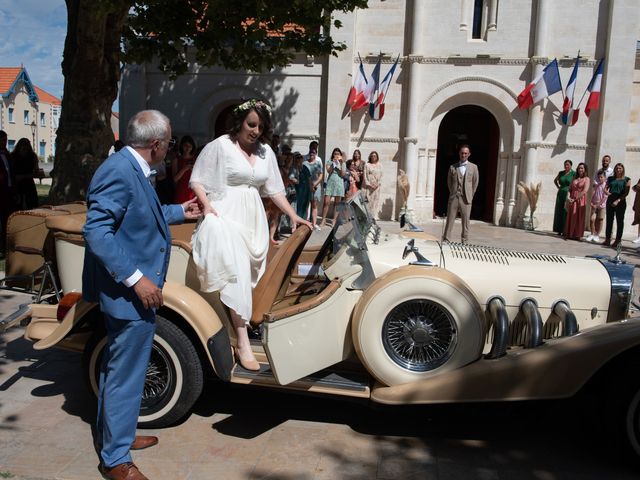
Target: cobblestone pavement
point(242, 433)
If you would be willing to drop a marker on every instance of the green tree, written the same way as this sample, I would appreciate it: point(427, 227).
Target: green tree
point(254, 35)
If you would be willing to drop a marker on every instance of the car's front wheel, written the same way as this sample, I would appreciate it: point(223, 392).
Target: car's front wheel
point(174, 376)
point(414, 322)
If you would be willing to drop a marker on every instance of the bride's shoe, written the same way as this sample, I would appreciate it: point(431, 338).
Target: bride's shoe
point(252, 365)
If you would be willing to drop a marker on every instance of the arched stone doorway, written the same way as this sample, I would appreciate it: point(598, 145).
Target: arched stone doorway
point(478, 128)
point(221, 125)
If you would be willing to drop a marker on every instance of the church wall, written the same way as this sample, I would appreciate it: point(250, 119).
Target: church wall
point(310, 100)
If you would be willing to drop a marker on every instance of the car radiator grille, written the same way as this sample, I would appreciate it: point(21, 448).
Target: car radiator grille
point(498, 255)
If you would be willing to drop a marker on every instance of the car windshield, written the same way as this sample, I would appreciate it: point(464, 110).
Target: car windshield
point(349, 236)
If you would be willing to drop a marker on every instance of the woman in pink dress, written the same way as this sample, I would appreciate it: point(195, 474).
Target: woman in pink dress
point(577, 204)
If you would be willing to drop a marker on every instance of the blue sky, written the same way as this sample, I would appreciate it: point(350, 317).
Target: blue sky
point(32, 33)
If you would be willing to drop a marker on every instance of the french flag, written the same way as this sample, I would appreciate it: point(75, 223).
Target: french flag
point(376, 107)
point(593, 102)
point(569, 115)
point(357, 95)
point(544, 85)
point(374, 84)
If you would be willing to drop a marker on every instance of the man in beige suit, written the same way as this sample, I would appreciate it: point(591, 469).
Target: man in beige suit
point(462, 180)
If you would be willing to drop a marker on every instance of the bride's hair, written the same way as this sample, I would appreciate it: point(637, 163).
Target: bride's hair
point(240, 113)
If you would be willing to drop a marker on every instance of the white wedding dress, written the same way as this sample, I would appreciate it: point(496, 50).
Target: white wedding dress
point(230, 249)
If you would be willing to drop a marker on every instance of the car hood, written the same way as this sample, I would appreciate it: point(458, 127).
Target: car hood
point(510, 274)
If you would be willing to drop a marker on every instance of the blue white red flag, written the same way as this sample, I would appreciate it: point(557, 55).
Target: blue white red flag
point(357, 95)
point(544, 85)
point(593, 102)
point(374, 84)
point(376, 107)
point(569, 114)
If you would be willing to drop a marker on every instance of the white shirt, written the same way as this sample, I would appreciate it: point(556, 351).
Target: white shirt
point(146, 170)
point(463, 168)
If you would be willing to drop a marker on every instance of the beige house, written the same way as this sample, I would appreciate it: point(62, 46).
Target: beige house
point(27, 111)
point(462, 65)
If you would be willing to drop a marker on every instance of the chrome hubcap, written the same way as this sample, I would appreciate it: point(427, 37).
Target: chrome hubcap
point(419, 335)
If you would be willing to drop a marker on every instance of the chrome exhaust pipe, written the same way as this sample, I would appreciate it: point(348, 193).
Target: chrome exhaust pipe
point(567, 317)
point(530, 311)
point(500, 324)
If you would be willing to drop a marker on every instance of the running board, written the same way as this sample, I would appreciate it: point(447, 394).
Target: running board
point(353, 384)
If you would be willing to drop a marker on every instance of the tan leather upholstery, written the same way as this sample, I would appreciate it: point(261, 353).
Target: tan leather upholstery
point(277, 271)
point(183, 231)
point(67, 223)
point(29, 242)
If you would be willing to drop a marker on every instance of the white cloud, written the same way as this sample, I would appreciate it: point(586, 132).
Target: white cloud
point(32, 32)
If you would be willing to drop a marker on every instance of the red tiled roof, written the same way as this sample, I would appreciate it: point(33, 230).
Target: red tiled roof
point(7, 77)
point(46, 97)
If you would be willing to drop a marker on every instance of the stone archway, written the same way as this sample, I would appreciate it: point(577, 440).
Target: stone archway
point(478, 128)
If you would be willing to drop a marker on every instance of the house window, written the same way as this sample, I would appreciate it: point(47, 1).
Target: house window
point(26, 117)
point(10, 145)
point(42, 120)
point(42, 148)
point(11, 120)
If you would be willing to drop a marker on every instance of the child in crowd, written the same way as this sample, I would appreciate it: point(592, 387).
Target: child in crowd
point(598, 206)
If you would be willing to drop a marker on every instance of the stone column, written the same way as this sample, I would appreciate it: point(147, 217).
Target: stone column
point(465, 14)
point(337, 127)
point(492, 20)
point(616, 91)
point(417, 15)
point(534, 124)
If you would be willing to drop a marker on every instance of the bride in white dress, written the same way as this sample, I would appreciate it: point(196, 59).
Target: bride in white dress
point(231, 242)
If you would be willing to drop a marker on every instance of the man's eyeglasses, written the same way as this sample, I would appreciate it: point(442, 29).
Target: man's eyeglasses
point(171, 143)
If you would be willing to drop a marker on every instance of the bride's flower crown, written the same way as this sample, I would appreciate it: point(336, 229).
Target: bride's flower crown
point(253, 103)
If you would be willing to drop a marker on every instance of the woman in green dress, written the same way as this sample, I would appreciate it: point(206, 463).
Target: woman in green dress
point(617, 189)
point(562, 183)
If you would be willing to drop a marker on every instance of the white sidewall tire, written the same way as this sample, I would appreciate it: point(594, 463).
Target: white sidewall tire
point(389, 291)
point(186, 379)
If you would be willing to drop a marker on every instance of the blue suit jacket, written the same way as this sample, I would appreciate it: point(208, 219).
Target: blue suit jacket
point(126, 230)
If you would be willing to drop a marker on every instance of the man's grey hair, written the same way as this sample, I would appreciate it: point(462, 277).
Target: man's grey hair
point(147, 126)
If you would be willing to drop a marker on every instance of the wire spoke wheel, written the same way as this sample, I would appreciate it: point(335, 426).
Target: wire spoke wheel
point(158, 380)
point(419, 335)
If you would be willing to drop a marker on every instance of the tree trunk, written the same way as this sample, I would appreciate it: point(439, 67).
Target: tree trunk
point(91, 69)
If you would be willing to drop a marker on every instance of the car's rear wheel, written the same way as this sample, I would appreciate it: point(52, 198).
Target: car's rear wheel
point(415, 322)
point(174, 378)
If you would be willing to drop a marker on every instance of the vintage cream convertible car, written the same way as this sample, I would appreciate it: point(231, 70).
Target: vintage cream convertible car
point(397, 319)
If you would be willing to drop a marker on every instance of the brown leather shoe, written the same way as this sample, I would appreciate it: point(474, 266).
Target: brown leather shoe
point(143, 441)
point(123, 471)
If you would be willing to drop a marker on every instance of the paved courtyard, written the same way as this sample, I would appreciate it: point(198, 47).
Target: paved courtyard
point(243, 433)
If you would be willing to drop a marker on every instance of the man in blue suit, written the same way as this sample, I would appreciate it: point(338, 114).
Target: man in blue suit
point(126, 259)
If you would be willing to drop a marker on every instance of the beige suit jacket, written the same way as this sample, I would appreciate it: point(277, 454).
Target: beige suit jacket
point(469, 182)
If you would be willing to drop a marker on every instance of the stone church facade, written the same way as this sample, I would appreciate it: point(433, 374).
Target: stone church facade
point(462, 65)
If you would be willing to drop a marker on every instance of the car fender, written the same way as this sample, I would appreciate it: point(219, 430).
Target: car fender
point(557, 369)
point(188, 304)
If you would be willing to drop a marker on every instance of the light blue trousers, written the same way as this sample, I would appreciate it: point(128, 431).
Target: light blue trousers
point(122, 375)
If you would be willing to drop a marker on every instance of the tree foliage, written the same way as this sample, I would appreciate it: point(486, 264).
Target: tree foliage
point(253, 35)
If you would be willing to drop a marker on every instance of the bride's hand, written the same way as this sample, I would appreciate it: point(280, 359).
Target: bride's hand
point(301, 221)
point(209, 209)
